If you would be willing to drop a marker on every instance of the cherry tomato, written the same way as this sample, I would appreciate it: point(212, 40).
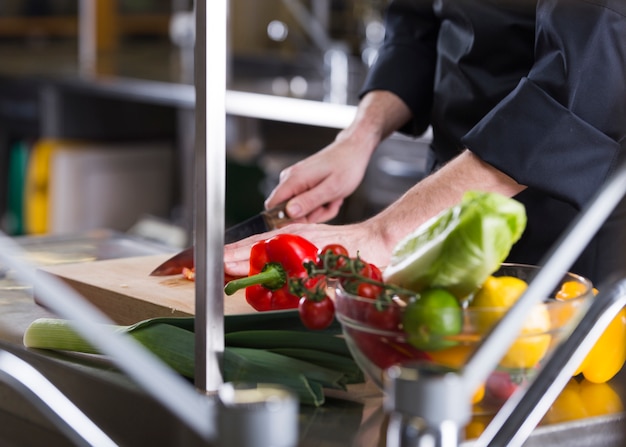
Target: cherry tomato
point(367, 290)
point(357, 286)
point(500, 385)
point(316, 314)
point(365, 269)
point(387, 319)
point(317, 284)
point(375, 273)
point(383, 352)
point(338, 250)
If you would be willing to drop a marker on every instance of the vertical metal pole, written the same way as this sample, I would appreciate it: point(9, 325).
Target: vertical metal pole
point(210, 82)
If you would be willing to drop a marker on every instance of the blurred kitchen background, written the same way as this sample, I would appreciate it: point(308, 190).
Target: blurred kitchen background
point(97, 110)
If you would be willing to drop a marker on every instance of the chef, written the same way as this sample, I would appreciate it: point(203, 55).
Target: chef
point(525, 98)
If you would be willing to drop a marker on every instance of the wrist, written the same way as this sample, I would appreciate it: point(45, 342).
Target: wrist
point(379, 114)
point(361, 137)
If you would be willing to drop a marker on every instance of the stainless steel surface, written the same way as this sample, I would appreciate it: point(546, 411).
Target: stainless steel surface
point(605, 431)
point(289, 110)
point(249, 104)
point(166, 386)
point(67, 416)
point(423, 402)
point(113, 401)
point(260, 415)
point(210, 72)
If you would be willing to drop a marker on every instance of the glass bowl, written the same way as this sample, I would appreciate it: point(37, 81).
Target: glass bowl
point(377, 340)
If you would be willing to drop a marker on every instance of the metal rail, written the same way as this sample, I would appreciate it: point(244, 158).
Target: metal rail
point(50, 401)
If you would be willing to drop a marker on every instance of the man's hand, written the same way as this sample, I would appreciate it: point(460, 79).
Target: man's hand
point(316, 186)
point(364, 238)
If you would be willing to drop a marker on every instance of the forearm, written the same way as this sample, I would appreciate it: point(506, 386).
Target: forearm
point(379, 114)
point(439, 191)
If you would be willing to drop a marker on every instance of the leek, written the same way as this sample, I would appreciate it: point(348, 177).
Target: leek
point(304, 361)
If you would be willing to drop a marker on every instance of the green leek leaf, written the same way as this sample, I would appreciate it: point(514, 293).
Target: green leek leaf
point(306, 362)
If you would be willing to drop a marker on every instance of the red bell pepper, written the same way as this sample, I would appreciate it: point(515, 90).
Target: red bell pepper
point(273, 262)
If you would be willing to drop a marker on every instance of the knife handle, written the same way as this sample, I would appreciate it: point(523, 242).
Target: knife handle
point(276, 217)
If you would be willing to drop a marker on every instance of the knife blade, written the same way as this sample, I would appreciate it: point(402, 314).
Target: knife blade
point(264, 221)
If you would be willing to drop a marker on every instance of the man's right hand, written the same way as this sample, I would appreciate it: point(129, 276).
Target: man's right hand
point(316, 186)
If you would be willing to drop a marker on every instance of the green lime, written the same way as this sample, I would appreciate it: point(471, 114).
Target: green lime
point(427, 320)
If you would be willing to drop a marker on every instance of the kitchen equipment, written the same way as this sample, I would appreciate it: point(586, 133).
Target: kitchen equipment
point(262, 222)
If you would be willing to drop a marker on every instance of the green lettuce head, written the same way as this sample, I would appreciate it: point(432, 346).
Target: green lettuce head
point(459, 248)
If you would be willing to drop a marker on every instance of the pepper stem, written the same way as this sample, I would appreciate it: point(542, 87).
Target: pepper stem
point(273, 277)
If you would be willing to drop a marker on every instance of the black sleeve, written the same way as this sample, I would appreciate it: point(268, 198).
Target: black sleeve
point(406, 61)
point(563, 128)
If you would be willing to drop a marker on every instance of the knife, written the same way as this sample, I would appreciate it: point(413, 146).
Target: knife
point(260, 223)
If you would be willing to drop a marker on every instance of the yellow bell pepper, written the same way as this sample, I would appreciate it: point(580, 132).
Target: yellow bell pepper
point(608, 355)
point(583, 399)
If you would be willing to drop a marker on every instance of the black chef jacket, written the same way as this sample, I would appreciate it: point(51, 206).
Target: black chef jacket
point(535, 88)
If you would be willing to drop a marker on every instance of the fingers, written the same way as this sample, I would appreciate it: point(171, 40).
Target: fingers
point(303, 191)
point(311, 184)
point(326, 212)
point(294, 180)
point(237, 268)
point(356, 238)
point(310, 202)
point(237, 254)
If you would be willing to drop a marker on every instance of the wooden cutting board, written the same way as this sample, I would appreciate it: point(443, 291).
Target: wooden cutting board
point(124, 290)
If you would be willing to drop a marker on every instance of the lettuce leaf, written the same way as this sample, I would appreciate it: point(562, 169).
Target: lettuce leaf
point(459, 248)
